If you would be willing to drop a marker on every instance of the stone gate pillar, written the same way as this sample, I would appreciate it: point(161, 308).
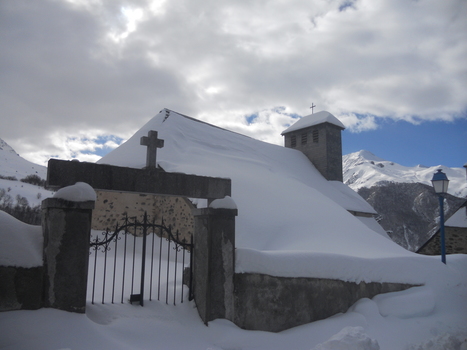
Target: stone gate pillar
point(66, 226)
point(214, 259)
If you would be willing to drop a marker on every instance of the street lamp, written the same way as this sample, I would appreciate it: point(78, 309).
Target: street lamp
point(440, 185)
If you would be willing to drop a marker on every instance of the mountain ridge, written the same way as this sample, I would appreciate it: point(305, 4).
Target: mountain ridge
point(364, 169)
point(403, 196)
point(13, 165)
point(409, 212)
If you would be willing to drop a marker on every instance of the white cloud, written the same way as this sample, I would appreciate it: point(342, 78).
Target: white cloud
point(84, 146)
point(355, 123)
point(111, 65)
point(265, 125)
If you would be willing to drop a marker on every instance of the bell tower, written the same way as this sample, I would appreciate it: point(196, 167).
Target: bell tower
point(318, 136)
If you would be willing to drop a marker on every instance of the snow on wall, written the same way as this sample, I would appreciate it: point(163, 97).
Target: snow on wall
point(20, 243)
point(79, 192)
point(224, 203)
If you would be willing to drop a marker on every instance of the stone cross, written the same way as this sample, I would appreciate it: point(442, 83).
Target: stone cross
point(152, 143)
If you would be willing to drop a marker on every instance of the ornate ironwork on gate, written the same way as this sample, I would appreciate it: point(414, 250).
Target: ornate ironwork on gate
point(141, 243)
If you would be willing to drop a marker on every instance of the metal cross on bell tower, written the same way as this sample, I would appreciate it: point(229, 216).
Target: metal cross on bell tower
point(152, 143)
point(312, 107)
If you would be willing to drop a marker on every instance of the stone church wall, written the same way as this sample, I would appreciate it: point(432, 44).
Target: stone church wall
point(112, 207)
point(21, 288)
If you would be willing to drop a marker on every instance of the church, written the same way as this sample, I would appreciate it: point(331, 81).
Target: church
point(303, 246)
point(319, 136)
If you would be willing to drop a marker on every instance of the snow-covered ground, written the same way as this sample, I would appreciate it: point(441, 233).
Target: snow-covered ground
point(34, 194)
point(161, 326)
point(14, 166)
point(433, 316)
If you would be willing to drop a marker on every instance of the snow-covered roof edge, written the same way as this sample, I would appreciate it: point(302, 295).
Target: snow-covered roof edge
point(314, 119)
point(457, 214)
point(458, 218)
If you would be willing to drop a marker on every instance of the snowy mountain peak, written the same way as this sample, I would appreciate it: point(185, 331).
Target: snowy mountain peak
point(364, 169)
point(365, 155)
point(5, 147)
point(13, 165)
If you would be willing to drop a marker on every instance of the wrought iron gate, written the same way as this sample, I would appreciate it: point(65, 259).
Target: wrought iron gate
point(114, 266)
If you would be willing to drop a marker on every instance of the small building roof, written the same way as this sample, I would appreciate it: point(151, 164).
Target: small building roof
point(459, 218)
point(314, 119)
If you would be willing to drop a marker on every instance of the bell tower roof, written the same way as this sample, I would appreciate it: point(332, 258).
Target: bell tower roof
point(314, 119)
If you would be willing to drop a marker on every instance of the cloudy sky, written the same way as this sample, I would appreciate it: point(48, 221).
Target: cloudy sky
point(77, 77)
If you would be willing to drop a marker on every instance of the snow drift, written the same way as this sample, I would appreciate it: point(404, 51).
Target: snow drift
point(20, 243)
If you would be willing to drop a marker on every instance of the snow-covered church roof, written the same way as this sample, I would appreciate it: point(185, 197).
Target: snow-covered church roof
point(314, 119)
point(286, 209)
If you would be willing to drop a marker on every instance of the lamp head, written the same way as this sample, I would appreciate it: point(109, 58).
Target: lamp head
point(440, 182)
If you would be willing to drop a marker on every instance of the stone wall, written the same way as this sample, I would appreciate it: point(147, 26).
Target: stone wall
point(455, 240)
point(268, 303)
point(214, 262)
point(20, 288)
point(111, 208)
point(66, 226)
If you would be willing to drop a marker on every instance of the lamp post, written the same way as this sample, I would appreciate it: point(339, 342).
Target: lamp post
point(440, 185)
